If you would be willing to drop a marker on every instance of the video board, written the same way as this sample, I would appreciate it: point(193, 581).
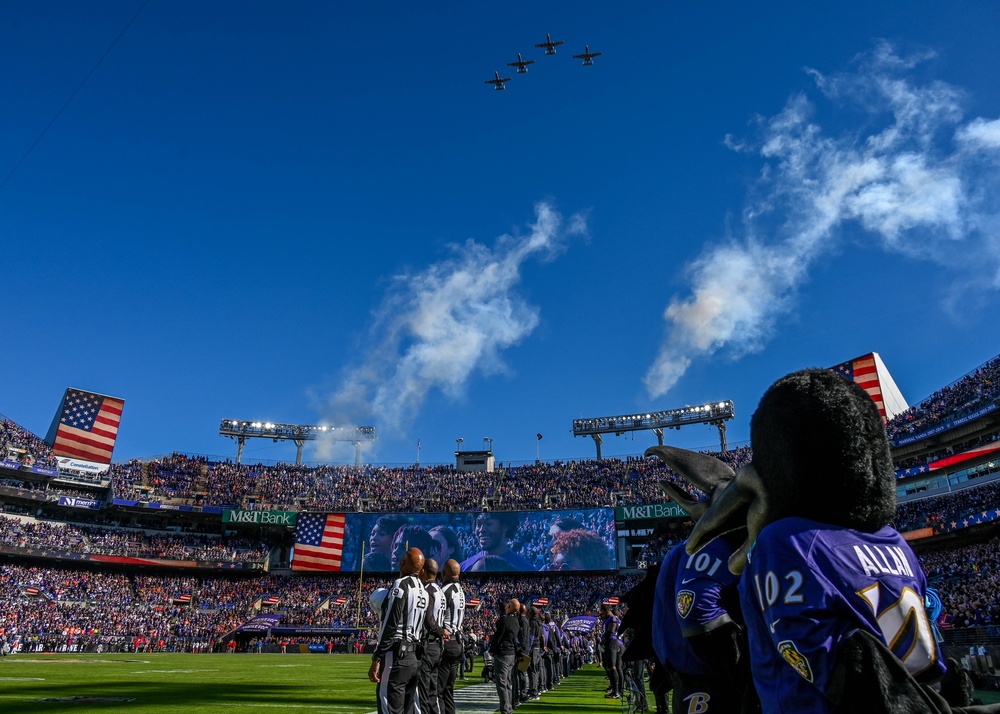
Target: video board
point(490, 542)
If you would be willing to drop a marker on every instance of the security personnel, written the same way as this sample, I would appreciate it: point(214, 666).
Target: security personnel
point(536, 638)
point(454, 647)
point(432, 642)
point(524, 650)
point(503, 647)
point(395, 667)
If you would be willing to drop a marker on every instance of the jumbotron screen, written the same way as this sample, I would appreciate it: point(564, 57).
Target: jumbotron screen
point(488, 542)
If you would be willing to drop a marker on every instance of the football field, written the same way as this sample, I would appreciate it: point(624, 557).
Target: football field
point(190, 683)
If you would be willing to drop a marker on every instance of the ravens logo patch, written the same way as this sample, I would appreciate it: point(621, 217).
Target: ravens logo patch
point(685, 602)
point(795, 658)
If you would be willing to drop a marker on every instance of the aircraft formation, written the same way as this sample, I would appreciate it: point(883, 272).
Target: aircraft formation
point(550, 49)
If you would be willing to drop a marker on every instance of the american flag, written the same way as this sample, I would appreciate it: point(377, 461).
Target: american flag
point(340, 601)
point(86, 426)
point(182, 599)
point(540, 602)
point(611, 601)
point(32, 591)
point(864, 371)
point(474, 602)
point(271, 600)
point(319, 542)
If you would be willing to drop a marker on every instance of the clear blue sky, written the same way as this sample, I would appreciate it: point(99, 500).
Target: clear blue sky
point(319, 213)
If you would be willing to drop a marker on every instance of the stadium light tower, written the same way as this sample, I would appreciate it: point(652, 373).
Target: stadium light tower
point(713, 413)
point(297, 433)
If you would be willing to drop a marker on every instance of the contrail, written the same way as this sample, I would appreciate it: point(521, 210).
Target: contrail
point(910, 170)
point(437, 327)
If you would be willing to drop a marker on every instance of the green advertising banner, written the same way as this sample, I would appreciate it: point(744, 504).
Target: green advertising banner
point(649, 511)
point(260, 518)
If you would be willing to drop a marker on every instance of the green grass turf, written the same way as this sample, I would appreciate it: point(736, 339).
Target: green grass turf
point(192, 683)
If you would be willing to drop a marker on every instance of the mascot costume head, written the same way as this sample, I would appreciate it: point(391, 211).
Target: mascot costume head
point(813, 505)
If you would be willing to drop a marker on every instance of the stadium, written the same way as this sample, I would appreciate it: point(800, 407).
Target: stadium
point(174, 559)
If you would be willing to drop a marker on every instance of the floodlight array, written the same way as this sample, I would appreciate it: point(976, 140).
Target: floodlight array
point(295, 432)
point(711, 413)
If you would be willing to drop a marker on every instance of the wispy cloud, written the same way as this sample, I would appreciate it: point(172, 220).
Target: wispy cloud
point(438, 326)
point(910, 170)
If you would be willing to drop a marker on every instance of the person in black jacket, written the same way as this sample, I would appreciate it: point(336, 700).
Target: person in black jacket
point(503, 647)
point(535, 668)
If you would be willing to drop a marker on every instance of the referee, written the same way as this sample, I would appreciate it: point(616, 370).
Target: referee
point(454, 615)
point(395, 667)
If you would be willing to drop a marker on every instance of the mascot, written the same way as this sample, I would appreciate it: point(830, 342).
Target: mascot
point(685, 614)
point(831, 595)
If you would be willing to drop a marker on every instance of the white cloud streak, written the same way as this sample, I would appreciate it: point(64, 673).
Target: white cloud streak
point(916, 176)
point(437, 327)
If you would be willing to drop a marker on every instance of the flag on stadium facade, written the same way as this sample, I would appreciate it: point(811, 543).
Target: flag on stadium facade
point(540, 602)
point(611, 601)
point(85, 426)
point(319, 542)
point(32, 591)
point(271, 600)
point(870, 372)
point(340, 601)
point(948, 461)
point(474, 602)
point(182, 600)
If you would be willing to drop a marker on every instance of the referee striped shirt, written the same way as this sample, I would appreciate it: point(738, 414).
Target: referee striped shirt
point(403, 612)
point(454, 607)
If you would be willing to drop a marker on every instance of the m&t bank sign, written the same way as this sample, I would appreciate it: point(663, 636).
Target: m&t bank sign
point(650, 511)
point(260, 518)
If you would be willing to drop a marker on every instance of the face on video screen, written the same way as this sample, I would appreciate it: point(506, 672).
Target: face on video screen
point(498, 541)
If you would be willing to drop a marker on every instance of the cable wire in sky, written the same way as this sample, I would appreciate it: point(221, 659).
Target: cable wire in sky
point(73, 95)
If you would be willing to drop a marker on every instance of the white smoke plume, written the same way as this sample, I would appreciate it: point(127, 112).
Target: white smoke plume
point(437, 327)
point(910, 171)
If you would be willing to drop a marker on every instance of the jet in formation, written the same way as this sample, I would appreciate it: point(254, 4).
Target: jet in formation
point(521, 64)
point(587, 56)
point(498, 82)
point(549, 45)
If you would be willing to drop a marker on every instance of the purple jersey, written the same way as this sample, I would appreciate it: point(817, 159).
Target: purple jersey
point(688, 603)
point(807, 586)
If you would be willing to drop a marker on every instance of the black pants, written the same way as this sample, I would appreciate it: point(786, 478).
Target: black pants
point(398, 683)
point(611, 661)
point(534, 673)
point(451, 659)
point(427, 685)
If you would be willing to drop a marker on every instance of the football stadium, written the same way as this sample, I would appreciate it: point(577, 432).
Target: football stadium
point(189, 584)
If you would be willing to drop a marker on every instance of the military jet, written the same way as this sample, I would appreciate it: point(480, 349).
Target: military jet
point(587, 56)
point(549, 45)
point(522, 65)
point(498, 82)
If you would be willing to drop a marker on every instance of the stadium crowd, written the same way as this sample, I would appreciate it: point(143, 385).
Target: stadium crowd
point(964, 396)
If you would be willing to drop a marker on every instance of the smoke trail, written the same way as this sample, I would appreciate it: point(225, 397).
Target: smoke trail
point(437, 327)
point(924, 182)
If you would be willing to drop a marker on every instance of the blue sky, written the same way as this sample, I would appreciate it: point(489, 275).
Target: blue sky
point(319, 213)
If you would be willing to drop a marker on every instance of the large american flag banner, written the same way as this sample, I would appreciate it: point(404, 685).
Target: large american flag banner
point(86, 426)
point(864, 371)
point(319, 542)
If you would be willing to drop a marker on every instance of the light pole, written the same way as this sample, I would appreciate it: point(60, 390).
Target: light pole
point(489, 443)
point(458, 443)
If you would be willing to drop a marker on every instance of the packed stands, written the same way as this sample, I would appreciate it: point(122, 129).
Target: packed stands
point(90, 606)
